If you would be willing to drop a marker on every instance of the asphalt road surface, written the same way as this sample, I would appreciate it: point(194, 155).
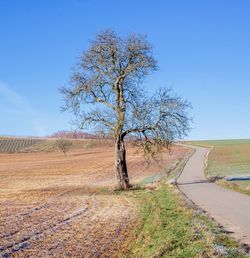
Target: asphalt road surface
point(230, 209)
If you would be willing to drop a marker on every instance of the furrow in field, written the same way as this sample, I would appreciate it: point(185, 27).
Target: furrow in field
point(51, 226)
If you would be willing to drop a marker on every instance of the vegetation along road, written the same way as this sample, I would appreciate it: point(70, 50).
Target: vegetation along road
point(228, 208)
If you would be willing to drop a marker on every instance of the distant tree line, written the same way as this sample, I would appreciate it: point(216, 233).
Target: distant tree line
point(75, 135)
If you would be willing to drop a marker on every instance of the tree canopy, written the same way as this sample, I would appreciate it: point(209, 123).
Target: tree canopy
point(106, 93)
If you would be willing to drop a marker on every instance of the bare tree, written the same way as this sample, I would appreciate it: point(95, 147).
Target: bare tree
point(106, 94)
point(63, 145)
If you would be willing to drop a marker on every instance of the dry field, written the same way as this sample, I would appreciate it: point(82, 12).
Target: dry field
point(52, 206)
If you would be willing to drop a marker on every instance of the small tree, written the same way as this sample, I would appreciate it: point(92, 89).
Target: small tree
point(63, 145)
point(107, 82)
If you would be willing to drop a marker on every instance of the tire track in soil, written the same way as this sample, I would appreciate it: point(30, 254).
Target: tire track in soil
point(50, 200)
point(7, 251)
point(28, 212)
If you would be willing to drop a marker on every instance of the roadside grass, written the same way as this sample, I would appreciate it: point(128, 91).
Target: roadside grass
point(239, 186)
point(171, 171)
point(169, 228)
point(227, 158)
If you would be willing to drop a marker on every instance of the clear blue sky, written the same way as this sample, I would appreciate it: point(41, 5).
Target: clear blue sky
point(203, 49)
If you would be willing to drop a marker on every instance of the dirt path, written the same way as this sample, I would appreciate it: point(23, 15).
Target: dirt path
point(228, 208)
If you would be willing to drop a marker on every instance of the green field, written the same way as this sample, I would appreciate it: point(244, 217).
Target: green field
point(228, 158)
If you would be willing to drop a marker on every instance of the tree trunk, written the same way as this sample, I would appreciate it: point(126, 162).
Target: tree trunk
point(120, 165)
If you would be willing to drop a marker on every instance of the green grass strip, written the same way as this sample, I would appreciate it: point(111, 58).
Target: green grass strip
point(168, 228)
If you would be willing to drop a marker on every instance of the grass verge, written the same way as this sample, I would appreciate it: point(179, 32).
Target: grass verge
point(171, 171)
point(168, 228)
point(239, 186)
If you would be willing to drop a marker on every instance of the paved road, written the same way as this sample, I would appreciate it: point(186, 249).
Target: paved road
point(228, 208)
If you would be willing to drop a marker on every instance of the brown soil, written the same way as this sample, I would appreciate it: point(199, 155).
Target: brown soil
point(52, 206)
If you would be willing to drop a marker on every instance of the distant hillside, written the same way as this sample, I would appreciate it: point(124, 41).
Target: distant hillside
point(74, 135)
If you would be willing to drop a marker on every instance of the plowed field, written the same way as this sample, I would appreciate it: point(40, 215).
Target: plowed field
point(52, 206)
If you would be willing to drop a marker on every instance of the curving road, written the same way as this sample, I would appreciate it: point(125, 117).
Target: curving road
point(230, 209)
